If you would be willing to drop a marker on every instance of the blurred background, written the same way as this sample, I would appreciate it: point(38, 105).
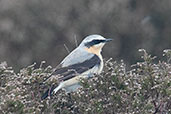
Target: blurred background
point(37, 30)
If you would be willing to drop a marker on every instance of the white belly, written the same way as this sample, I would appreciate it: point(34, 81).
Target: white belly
point(73, 83)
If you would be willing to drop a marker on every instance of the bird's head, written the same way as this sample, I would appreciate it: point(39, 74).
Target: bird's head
point(94, 43)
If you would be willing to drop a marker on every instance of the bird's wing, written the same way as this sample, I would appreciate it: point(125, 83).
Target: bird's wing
point(78, 55)
point(71, 71)
point(66, 73)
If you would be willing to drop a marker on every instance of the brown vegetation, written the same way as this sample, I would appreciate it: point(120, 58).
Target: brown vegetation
point(146, 88)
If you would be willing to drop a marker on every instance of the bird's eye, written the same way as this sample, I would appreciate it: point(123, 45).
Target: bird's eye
point(94, 42)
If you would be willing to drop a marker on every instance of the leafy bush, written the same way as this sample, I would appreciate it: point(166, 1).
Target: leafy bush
point(146, 88)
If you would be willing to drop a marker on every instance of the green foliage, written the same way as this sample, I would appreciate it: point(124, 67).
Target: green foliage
point(145, 88)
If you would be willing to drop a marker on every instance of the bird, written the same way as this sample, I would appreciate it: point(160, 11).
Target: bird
point(83, 62)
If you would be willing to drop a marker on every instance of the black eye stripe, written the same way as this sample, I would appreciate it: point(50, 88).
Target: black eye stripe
point(97, 41)
point(94, 42)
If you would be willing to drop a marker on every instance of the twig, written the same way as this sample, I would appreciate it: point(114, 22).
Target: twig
point(66, 48)
point(32, 95)
point(41, 64)
point(75, 38)
point(157, 108)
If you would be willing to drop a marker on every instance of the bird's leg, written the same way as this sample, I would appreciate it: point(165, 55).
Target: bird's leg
point(32, 94)
point(69, 96)
point(49, 92)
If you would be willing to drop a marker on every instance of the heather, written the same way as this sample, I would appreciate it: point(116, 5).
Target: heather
point(144, 87)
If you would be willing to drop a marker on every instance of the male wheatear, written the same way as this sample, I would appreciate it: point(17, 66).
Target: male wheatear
point(83, 62)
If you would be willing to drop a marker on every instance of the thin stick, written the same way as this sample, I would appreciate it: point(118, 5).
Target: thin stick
point(66, 48)
point(75, 38)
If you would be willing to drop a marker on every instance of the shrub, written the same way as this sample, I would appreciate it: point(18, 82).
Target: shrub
point(145, 88)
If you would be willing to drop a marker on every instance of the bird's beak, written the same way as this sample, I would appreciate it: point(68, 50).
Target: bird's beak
point(108, 40)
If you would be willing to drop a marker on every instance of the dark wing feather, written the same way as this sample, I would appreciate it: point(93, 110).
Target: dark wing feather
point(48, 93)
point(66, 73)
point(71, 71)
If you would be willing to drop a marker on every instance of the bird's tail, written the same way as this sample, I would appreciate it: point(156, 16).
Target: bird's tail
point(49, 92)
